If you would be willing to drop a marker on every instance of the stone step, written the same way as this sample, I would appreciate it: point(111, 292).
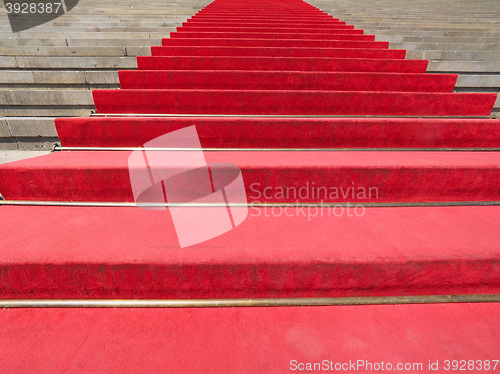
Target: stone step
point(63, 51)
point(95, 35)
point(58, 78)
point(489, 67)
point(492, 47)
point(465, 39)
point(17, 155)
point(29, 102)
point(453, 55)
point(114, 42)
point(65, 63)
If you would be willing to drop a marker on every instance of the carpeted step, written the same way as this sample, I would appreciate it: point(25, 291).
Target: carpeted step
point(269, 35)
point(289, 25)
point(224, 132)
point(359, 177)
point(249, 340)
point(298, 252)
point(341, 29)
point(278, 52)
point(270, 18)
point(304, 43)
point(272, 80)
point(280, 63)
point(286, 102)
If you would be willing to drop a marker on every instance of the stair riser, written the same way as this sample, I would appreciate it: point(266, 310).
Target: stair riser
point(334, 182)
point(279, 52)
point(290, 25)
point(271, 36)
point(249, 80)
point(292, 102)
point(300, 133)
point(275, 43)
point(277, 64)
point(337, 30)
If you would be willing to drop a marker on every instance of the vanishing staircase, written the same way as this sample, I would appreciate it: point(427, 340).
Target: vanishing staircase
point(297, 100)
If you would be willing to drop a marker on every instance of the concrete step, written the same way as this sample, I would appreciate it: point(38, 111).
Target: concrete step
point(453, 55)
point(11, 156)
point(63, 51)
point(64, 42)
point(50, 79)
point(28, 102)
point(488, 67)
point(485, 47)
point(463, 39)
point(66, 63)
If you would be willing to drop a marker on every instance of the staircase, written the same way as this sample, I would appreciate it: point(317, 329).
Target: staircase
point(390, 253)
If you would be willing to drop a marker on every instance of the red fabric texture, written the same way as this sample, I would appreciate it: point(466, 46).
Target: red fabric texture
point(126, 252)
point(312, 43)
point(397, 176)
point(279, 52)
point(285, 102)
point(243, 340)
point(134, 253)
point(220, 132)
point(276, 80)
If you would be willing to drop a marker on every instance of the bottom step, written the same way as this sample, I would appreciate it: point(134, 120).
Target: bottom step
point(253, 340)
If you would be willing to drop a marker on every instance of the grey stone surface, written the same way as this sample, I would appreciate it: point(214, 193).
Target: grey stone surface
point(76, 62)
point(31, 127)
point(473, 80)
point(8, 143)
point(464, 66)
point(4, 129)
point(102, 78)
point(41, 77)
point(38, 143)
point(62, 51)
point(45, 97)
point(11, 156)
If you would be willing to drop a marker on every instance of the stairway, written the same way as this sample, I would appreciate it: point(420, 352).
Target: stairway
point(400, 179)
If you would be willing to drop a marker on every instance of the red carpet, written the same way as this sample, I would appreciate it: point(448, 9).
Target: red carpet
point(220, 132)
point(273, 80)
point(391, 176)
point(282, 63)
point(134, 253)
point(270, 35)
point(285, 102)
point(264, 58)
point(245, 340)
point(278, 52)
